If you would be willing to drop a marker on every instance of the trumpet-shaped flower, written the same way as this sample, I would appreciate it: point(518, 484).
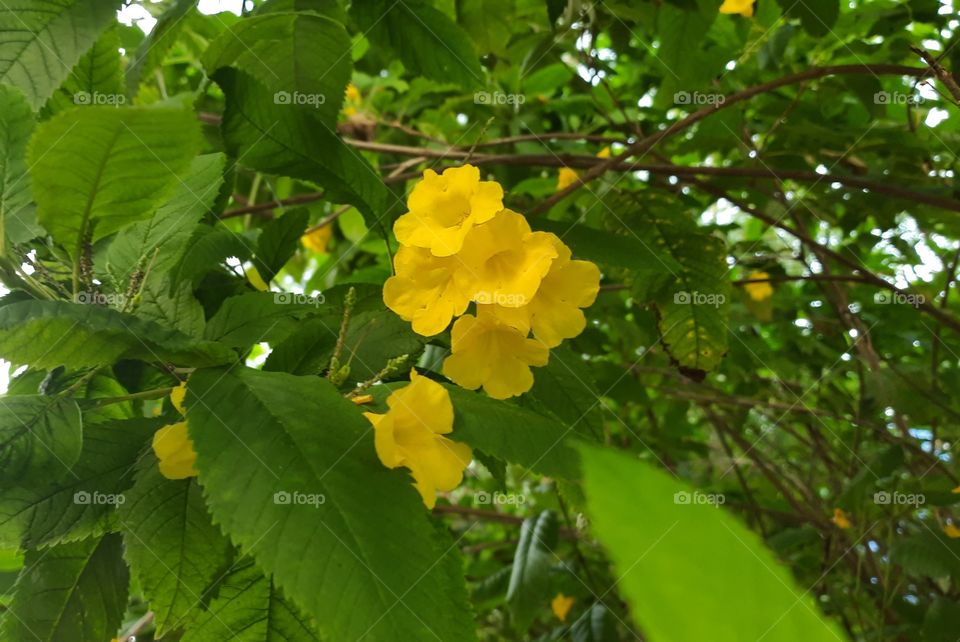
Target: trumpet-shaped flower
point(410, 434)
point(318, 239)
point(504, 261)
point(743, 7)
point(490, 353)
point(445, 207)
point(424, 290)
point(174, 449)
point(761, 290)
point(554, 313)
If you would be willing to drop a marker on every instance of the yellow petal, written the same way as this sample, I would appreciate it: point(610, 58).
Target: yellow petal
point(424, 405)
point(174, 449)
point(555, 312)
point(951, 531)
point(840, 519)
point(956, 490)
point(760, 291)
point(743, 7)
point(425, 290)
point(362, 399)
point(604, 153)
point(384, 439)
point(176, 397)
point(565, 178)
point(318, 239)
point(353, 94)
point(560, 605)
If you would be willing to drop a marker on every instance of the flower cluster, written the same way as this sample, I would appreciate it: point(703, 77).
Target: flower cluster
point(459, 245)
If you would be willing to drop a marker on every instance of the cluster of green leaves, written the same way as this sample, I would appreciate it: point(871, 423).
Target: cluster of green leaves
point(154, 188)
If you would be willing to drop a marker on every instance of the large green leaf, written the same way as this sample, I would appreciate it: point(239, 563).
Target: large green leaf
point(96, 169)
point(96, 79)
point(287, 140)
point(149, 55)
point(74, 592)
point(278, 241)
point(83, 502)
point(358, 552)
point(529, 585)
point(17, 216)
point(174, 550)
point(427, 41)
point(671, 550)
point(47, 334)
point(40, 437)
point(284, 52)
point(250, 608)
point(258, 316)
point(42, 40)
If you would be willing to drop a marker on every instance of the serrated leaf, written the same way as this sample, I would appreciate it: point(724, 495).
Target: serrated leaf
point(529, 586)
point(40, 438)
point(283, 51)
point(174, 550)
point(95, 80)
point(158, 42)
point(251, 608)
point(97, 169)
point(17, 215)
point(670, 554)
point(47, 334)
point(271, 433)
point(566, 389)
point(287, 141)
point(278, 241)
point(179, 309)
point(41, 41)
point(257, 316)
point(75, 592)
point(427, 41)
point(68, 509)
point(207, 248)
point(927, 554)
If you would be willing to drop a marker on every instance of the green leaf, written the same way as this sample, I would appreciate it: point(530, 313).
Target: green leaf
point(513, 433)
point(179, 309)
point(75, 592)
point(96, 79)
point(685, 65)
point(927, 554)
point(427, 42)
point(942, 621)
point(565, 388)
point(257, 316)
point(174, 550)
point(251, 608)
point(149, 55)
point(40, 438)
point(816, 16)
point(488, 22)
point(529, 588)
point(595, 625)
point(42, 40)
point(363, 541)
point(670, 553)
point(97, 169)
point(283, 51)
point(83, 502)
point(286, 140)
point(47, 334)
point(208, 248)
point(17, 215)
point(160, 241)
point(278, 241)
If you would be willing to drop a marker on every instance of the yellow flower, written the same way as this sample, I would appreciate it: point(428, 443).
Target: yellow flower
point(743, 7)
point(554, 313)
point(411, 433)
point(175, 451)
point(951, 531)
point(444, 207)
point(565, 178)
point(561, 605)
point(352, 94)
point(504, 261)
point(840, 519)
point(487, 352)
point(176, 397)
point(956, 490)
point(424, 290)
point(362, 399)
point(758, 291)
point(604, 153)
point(317, 240)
